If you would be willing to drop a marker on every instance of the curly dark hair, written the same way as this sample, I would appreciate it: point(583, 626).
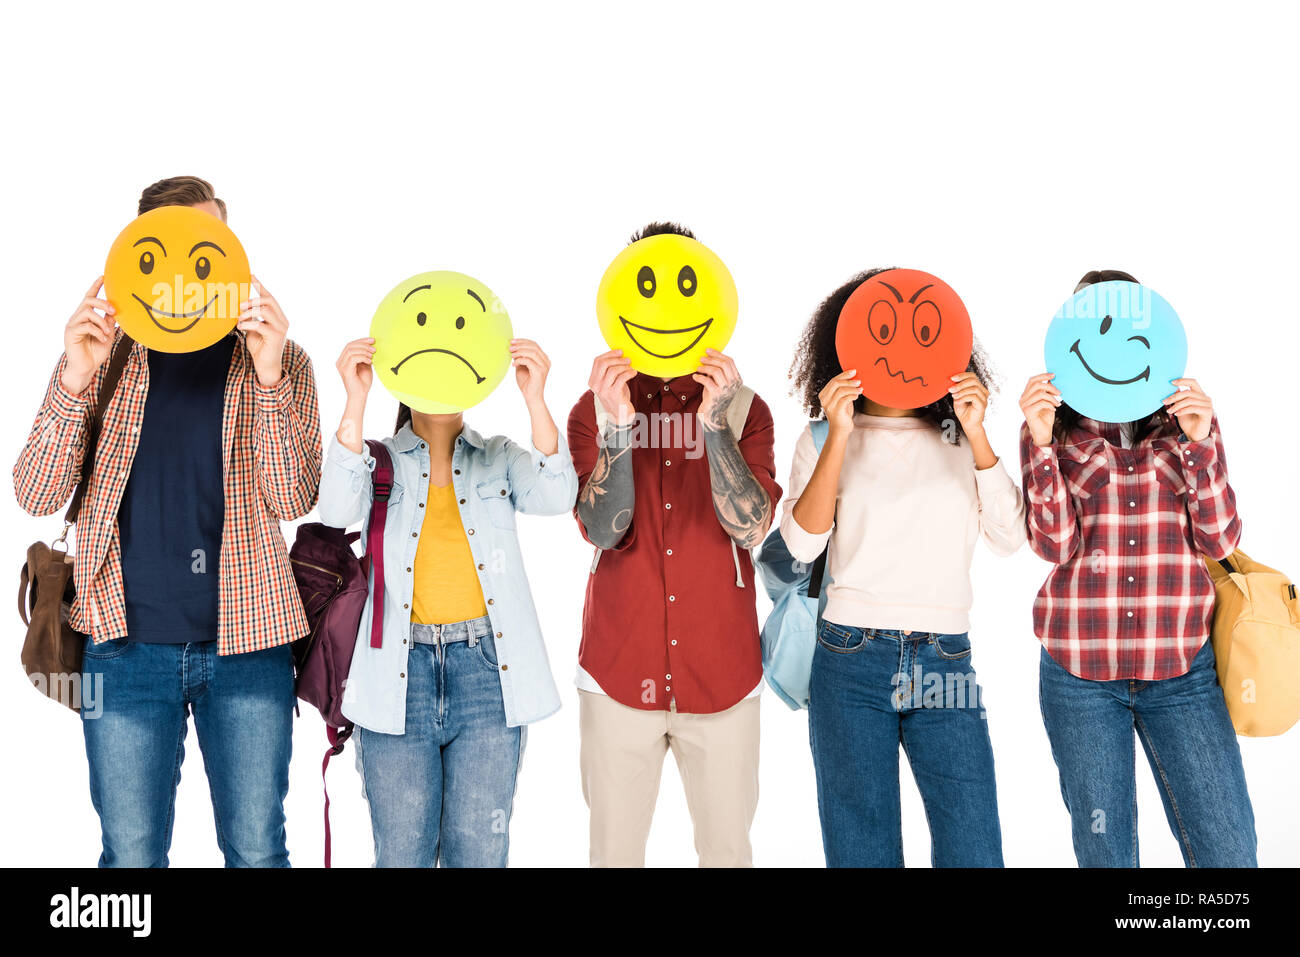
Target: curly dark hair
point(816, 363)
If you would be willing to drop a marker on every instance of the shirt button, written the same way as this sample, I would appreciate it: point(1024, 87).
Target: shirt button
point(1132, 504)
point(424, 474)
point(1130, 577)
point(668, 687)
point(505, 667)
point(503, 491)
point(674, 641)
point(421, 505)
point(668, 552)
point(408, 569)
point(668, 677)
point(402, 675)
point(491, 602)
point(1130, 468)
point(1132, 542)
point(415, 534)
point(1130, 614)
point(672, 597)
point(480, 567)
point(470, 531)
point(462, 501)
point(498, 634)
point(421, 445)
point(668, 462)
point(668, 504)
point(406, 606)
point(1047, 468)
point(650, 395)
point(455, 471)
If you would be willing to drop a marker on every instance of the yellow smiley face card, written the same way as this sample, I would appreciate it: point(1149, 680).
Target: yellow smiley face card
point(442, 342)
point(664, 300)
point(176, 277)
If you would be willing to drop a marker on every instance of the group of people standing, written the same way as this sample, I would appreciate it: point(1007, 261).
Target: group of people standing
point(203, 454)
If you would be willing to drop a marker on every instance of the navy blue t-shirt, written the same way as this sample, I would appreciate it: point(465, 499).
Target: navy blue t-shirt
point(174, 506)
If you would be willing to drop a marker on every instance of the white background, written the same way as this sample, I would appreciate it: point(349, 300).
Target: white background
point(1006, 147)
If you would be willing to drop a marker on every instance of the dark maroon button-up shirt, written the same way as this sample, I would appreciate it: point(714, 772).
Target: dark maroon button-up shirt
point(665, 621)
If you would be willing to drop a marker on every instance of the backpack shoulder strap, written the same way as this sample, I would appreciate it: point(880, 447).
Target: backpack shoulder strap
point(738, 411)
point(382, 481)
point(107, 386)
point(820, 428)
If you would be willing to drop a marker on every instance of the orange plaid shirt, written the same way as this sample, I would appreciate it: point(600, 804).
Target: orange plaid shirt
point(271, 450)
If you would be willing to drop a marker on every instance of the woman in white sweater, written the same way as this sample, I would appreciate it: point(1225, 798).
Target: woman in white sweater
point(900, 498)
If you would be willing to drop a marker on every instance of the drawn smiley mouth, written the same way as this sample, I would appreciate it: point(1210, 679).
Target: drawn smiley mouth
point(478, 379)
point(194, 316)
point(899, 374)
point(649, 331)
point(1142, 376)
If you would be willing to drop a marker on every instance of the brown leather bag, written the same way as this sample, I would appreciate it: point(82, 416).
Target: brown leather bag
point(52, 650)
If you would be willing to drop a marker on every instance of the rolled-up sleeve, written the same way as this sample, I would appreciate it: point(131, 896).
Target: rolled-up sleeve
point(542, 484)
point(803, 545)
point(346, 486)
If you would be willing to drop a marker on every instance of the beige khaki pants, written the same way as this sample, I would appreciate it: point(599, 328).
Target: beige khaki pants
point(623, 756)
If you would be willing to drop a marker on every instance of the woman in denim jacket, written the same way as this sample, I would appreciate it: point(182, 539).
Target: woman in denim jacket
point(440, 707)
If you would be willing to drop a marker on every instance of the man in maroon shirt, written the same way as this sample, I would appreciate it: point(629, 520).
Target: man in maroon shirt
point(677, 484)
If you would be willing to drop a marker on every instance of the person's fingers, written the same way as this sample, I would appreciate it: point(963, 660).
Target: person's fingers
point(1190, 404)
point(1191, 384)
point(971, 390)
point(95, 287)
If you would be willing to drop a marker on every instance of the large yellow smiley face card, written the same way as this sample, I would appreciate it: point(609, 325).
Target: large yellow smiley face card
point(664, 300)
point(442, 342)
point(176, 277)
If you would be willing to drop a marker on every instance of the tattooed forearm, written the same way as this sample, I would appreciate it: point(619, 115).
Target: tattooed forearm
point(605, 502)
point(741, 503)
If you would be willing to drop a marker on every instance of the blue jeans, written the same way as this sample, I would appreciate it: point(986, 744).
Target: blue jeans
point(135, 742)
point(442, 793)
point(1185, 730)
point(872, 689)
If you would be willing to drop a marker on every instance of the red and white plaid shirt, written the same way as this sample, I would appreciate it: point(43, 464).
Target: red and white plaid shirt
point(272, 455)
point(1126, 528)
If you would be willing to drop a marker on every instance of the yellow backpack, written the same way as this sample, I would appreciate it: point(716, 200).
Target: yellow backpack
point(1256, 637)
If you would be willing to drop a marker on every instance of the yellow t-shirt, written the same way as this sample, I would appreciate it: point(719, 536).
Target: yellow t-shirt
point(446, 587)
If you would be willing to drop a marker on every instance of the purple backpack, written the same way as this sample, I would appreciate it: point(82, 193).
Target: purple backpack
point(332, 583)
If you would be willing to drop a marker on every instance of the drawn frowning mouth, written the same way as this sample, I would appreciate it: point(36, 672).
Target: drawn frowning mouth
point(447, 352)
point(899, 374)
point(1143, 375)
point(650, 331)
point(194, 316)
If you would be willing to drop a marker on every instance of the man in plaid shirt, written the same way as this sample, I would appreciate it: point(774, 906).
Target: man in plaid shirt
point(200, 457)
point(1125, 512)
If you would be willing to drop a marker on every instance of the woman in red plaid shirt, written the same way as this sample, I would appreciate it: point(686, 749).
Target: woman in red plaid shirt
point(1125, 512)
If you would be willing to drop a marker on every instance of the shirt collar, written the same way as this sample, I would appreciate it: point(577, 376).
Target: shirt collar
point(405, 440)
point(683, 385)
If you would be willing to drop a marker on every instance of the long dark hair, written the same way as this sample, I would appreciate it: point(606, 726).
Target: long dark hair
point(816, 363)
point(1067, 418)
point(403, 417)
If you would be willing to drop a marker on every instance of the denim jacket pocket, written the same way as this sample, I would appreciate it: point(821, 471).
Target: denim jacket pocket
point(839, 638)
point(494, 494)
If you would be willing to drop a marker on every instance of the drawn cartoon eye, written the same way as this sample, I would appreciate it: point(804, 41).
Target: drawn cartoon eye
point(1105, 325)
point(686, 281)
point(645, 281)
point(202, 267)
point(421, 318)
point(882, 321)
point(460, 322)
point(926, 322)
point(146, 262)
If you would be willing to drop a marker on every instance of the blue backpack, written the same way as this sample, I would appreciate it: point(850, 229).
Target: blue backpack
point(790, 633)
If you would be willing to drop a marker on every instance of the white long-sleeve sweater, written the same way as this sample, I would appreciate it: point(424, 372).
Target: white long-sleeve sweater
point(909, 509)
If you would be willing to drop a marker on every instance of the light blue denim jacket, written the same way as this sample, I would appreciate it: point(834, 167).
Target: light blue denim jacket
point(493, 478)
